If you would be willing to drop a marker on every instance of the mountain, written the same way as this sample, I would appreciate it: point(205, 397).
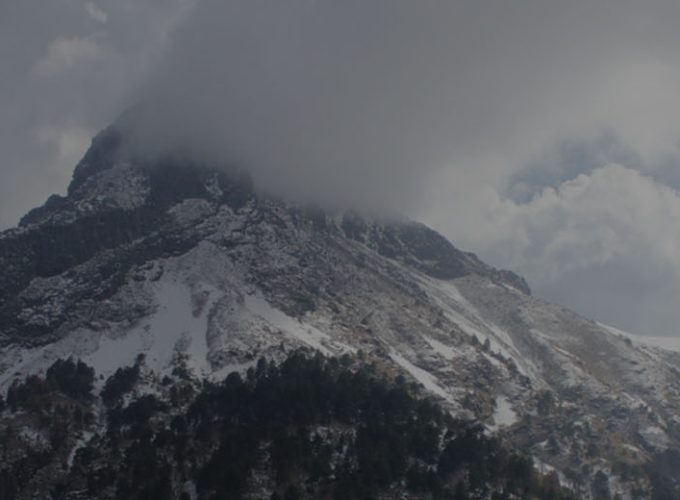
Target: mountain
point(193, 267)
point(308, 427)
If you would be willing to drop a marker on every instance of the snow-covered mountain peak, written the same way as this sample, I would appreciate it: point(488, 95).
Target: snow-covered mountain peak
point(191, 265)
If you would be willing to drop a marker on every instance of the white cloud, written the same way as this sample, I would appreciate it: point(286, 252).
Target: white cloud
point(606, 243)
point(64, 53)
point(68, 142)
point(96, 12)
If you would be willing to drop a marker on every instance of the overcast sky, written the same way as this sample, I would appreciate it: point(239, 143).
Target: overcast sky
point(544, 136)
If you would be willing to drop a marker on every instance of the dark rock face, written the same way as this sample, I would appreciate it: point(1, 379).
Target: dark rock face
point(52, 250)
point(54, 203)
point(418, 246)
point(108, 240)
point(102, 155)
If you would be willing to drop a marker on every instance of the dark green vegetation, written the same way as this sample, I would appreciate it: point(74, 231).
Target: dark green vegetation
point(334, 432)
point(310, 427)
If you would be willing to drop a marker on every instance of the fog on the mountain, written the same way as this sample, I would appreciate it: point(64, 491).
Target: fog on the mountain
point(368, 101)
point(499, 123)
point(434, 109)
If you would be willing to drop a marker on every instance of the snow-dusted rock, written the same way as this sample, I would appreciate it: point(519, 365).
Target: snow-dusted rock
point(190, 263)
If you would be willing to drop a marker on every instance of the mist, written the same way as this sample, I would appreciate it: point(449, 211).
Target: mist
point(363, 102)
point(542, 136)
point(359, 103)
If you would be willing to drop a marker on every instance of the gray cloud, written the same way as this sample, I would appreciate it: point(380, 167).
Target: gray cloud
point(605, 243)
point(370, 101)
point(65, 74)
point(96, 12)
point(460, 113)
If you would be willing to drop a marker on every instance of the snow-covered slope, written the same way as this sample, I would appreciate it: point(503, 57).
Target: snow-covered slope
point(184, 263)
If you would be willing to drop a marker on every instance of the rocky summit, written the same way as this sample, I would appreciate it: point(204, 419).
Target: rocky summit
point(167, 273)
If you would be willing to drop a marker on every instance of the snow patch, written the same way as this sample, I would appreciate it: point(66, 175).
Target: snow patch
point(503, 415)
point(307, 334)
point(446, 351)
point(664, 342)
point(655, 437)
point(172, 329)
point(81, 442)
point(190, 489)
point(460, 311)
point(425, 378)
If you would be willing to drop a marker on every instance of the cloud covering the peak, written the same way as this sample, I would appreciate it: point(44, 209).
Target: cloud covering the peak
point(542, 135)
point(367, 101)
